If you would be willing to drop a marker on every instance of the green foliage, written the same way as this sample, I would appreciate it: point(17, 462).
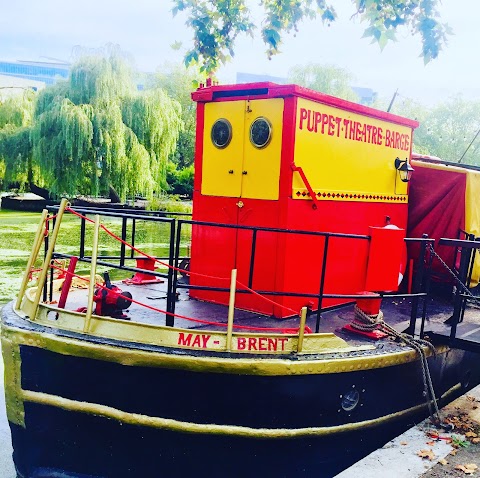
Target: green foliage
point(446, 130)
point(459, 441)
point(216, 25)
point(327, 79)
point(16, 114)
point(171, 204)
point(180, 181)
point(179, 82)
point(17, 110)
point(96, 130)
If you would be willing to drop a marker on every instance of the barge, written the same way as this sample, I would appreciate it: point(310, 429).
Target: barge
point(289, 329)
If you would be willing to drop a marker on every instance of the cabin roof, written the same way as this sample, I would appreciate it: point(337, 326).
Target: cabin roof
point(215, 93)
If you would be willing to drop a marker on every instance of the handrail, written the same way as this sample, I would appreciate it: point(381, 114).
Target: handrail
point(37, 244)
point(93, 271)
point(48, 258)
point(174, 257)
point(299, 170)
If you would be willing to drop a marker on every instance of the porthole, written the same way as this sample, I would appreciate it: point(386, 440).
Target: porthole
point(350, 400)
point(221, 133)
point(260, 132)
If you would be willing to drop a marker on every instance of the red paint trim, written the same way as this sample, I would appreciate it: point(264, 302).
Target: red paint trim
point(283, 91)
point(197, 181)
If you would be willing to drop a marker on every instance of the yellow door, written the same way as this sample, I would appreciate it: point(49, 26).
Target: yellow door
point(223, 156)
point(262, 149)
point(241, 149)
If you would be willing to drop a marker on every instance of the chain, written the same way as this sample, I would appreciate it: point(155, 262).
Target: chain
point(452, 273)
point(367, 322)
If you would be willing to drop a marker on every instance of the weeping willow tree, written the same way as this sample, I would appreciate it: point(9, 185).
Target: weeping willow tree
point(16, 114)
point(96, 130)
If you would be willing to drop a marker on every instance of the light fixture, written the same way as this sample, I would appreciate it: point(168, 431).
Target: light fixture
point(404, 169)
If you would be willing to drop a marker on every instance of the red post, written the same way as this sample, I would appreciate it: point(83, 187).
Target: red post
point(67, 282)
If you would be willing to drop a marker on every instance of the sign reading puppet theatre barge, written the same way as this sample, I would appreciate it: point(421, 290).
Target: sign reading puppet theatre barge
point(281, 156)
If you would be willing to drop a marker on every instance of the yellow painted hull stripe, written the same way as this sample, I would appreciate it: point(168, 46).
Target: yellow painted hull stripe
point(198, 363)
point(211, 429)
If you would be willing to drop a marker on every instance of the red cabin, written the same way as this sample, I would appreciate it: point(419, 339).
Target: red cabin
point(282, 156)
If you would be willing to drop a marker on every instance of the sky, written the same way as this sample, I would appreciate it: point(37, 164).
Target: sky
point(33, 30)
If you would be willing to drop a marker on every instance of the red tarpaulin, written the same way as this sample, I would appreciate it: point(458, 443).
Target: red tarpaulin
point(436, 208)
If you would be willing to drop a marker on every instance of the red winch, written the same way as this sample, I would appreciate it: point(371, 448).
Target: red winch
point(111, 300)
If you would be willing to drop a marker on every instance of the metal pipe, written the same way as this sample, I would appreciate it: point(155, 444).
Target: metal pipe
point(82, 236)
point(231, 309)
point(170, 319)
point(176, 263)
point(50, 289)
point(93, 272)
point(48, 258)
point(67, 282)
point(301, 330)
point(45, 249)
point(417, 285)
point(132, 252)
point(252, 258)
point(122, 243)
point(37, 244)
point(322, 284)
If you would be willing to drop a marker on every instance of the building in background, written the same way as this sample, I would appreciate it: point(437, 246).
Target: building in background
point(16, 76)
point(366, 96)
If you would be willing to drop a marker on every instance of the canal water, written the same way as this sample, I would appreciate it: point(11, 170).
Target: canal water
point(17, 232)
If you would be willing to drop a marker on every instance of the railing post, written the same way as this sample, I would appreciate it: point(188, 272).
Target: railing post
point(418, 284)
point(45, 249)
point(428, 276)
point(93, 272)
point(122, 244)
point(301, 330)
point(322, 284)
point(465, 256)
point(82, 236)
point(37, 244)
point(231, 309)
point(67, 282)
point(48, 258)
point(252, 259)
point(176, 264)
point(132, 252)
point(170, 319)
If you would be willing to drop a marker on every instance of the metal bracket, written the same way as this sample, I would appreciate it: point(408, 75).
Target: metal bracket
point(299, 170)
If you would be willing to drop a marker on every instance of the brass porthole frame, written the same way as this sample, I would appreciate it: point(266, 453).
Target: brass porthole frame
point(270, 132)
point(230, 133)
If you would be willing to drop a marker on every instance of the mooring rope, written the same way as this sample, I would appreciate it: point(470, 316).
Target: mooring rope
point(368, 323)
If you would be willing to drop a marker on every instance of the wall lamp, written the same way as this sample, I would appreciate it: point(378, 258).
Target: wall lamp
point(404, 169)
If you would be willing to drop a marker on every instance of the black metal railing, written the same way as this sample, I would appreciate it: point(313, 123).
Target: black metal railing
point(176, 228)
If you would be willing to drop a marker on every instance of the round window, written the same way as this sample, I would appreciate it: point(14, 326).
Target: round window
point(260, 132)
point(350, 400)
point(221, 133)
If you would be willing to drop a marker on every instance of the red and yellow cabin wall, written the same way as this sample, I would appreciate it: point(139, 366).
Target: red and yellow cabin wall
point(347, 153)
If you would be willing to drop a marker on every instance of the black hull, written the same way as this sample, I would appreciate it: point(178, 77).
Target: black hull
point(59, 440)
point(82, 406)
point(65, 444)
